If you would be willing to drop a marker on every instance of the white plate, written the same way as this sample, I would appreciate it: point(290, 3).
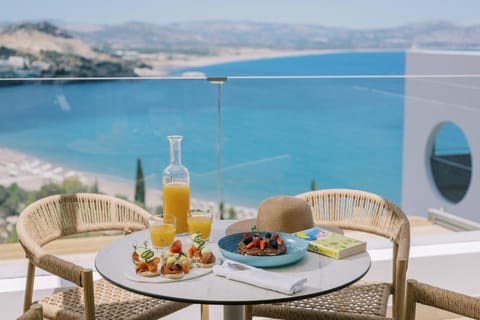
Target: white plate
point(194, 273)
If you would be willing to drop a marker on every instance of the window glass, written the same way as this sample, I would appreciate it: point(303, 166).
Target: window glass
point(451, 162)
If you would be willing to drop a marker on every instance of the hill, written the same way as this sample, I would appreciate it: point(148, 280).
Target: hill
point(37, 38)
point(42, 49)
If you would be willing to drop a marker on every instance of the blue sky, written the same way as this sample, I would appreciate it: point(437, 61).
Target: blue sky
point(343, 13)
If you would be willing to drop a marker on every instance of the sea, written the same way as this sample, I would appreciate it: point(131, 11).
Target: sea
point(277, 126)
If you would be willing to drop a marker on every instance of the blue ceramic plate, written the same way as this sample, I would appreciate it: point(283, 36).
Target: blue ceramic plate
point(296, 249)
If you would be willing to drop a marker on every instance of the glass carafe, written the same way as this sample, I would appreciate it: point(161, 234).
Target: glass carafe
point(176, 186)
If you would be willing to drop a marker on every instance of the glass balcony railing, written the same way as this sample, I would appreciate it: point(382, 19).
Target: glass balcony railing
point(246, 138)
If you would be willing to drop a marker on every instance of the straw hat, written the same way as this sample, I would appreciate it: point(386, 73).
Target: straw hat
point(278, 213)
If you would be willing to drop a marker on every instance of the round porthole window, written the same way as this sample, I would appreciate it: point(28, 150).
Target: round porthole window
point(451, 162)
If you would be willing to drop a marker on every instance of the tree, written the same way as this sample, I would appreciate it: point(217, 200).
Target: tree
point(232, 214)
point(69, 185)
point(313, 185)
point(221, 208)
point(139, 184)
point(73, 185)
point(94, 187)
point(12, 200)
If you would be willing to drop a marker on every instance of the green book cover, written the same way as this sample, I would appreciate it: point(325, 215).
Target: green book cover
point(330, 243)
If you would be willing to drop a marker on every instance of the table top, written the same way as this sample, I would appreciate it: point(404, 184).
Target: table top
point(323, 275)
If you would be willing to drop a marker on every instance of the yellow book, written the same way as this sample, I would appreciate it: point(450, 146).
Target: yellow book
point(330, 243)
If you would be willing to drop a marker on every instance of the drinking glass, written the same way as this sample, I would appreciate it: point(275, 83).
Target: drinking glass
point(162, 231)
point(200, 221)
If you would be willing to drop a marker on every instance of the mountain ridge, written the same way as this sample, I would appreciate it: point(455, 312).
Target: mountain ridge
point(220, 33)
point(148, 49)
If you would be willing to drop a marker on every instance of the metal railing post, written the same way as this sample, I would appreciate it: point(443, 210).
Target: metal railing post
point(218, 81)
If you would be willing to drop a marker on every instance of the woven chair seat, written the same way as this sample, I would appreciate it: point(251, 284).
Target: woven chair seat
point(111, 303)
point(364, 299)
point(34, 313)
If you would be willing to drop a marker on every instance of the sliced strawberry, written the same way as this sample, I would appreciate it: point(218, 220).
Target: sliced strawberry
point(250, 245)
point(176, 246)
point(263, 244)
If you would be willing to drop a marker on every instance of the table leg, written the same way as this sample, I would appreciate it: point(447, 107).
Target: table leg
point(247, 312)
point(233, 312)
point(204, 312)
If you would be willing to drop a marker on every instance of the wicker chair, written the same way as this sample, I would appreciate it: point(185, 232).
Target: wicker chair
point(441, 299)
point(34, 313)
point(361, 211)
point(58, 216)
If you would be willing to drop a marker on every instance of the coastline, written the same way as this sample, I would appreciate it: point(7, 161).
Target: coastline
point(31, 172)
point(163, 64)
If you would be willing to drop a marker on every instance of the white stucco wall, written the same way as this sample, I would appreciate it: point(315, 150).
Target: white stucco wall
point(429, 102)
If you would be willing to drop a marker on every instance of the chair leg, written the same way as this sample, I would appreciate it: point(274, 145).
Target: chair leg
point(410, 304)
point(89, 301)
point(27, 300)
point(204, 312)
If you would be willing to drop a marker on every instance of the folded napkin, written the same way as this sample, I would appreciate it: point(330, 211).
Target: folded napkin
point(283, 283)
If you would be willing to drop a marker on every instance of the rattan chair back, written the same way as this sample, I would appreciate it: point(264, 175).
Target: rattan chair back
point(447, 300)
point(58, 216)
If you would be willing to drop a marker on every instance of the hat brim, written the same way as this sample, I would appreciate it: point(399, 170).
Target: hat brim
point(241, 226)
point(247, 224)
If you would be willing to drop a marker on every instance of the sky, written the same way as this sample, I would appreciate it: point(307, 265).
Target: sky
point(355, 14)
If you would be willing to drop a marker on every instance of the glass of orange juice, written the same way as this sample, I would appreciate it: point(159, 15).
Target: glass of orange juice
point(200, 221)
point(162, 231)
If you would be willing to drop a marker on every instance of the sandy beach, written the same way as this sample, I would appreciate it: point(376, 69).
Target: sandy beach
point(31, 172)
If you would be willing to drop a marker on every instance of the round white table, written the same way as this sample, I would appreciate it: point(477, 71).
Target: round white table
point(323, 275)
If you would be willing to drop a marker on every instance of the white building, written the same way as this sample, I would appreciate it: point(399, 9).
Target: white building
point(441, 87)
point(5, 66)
point(18, 62)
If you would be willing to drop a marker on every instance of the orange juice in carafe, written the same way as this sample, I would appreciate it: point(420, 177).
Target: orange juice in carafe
point(176, 202)
point(176, 186)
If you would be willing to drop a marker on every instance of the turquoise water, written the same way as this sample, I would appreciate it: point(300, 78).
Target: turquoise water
point(277, 135)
